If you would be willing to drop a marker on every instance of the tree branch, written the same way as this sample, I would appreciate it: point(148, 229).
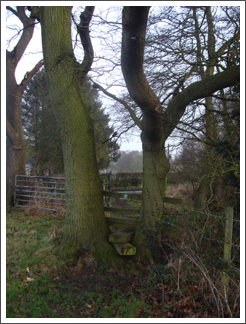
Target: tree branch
point(12, 10)
point(26, 36)
point(123, 102)
point(134, 20)
point(28, 76)
point(198, 90)
point(83, 30)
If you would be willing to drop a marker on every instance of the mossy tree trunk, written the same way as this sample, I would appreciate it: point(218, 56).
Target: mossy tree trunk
point(157, 124)
point(15, 154)
point(155, 169)
point(85, 226)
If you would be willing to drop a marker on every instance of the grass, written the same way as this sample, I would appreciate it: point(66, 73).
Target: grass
point(39, 285)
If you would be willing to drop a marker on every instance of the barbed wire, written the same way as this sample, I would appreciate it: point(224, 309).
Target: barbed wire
point(196, 211)
point(183, 229)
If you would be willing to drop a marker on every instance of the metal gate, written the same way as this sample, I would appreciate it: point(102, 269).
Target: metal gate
point(46, 193)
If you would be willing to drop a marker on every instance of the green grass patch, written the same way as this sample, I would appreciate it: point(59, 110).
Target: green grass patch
point(38, 284)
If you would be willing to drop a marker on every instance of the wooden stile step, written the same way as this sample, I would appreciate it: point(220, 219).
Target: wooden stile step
point(125, 249)
point(121, 237)
point(128, 224)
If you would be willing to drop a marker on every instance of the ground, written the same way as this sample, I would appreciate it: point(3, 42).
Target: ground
point(38, 284)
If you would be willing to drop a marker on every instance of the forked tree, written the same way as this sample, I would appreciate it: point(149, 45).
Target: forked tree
point(85, 226)
point(157, 123)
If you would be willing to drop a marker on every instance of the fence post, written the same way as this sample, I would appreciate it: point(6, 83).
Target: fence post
point(109, 180)
point(227, 250)
point(109, 184)
point(35, 191)
point(55, 196)
point(15, 191)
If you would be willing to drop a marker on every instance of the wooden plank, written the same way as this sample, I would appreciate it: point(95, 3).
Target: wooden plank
point(121, 237)
point(125, 249)
point(174, 201)
point(122, 195)
point(120, 222)
point(122, 210)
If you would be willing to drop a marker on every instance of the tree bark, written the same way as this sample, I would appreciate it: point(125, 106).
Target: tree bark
point(85, 226)
point(155, 163)
point(15, 156)
point(155, 169)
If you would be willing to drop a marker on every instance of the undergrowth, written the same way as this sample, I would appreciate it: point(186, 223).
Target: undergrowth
point(40, 285)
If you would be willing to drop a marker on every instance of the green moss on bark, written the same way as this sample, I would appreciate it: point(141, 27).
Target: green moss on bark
point(85, 223)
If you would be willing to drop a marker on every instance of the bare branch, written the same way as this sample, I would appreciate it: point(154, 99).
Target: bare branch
point(123, 102)
point(28, 76)
point(12, 10)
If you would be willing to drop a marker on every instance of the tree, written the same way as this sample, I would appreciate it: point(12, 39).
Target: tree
point(41, 131)
point(15, 148)
point(106, 145)
point(211, 184)
point(85, 226)
point(157, 124)
point(41, 134)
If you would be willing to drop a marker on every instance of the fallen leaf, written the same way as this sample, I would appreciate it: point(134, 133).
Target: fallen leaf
point(89, 306)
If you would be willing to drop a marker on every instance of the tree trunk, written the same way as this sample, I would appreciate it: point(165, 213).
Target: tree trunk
point(155, 169)
point(15, 156)
point(15, 148)
point(85, 226)
point(15, 159)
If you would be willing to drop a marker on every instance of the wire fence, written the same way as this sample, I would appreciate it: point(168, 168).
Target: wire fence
point(193, 233)
point(46, 193)
point(35, 191)
point(169, 217)
point(193, 210)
